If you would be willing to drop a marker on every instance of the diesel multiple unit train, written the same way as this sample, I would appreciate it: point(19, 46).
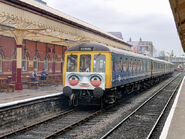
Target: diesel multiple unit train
point(96, 74)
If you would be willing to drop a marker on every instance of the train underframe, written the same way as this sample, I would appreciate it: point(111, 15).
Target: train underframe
point(99, 97)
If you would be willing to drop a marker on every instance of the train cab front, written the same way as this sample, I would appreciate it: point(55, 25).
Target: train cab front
point(84, 78)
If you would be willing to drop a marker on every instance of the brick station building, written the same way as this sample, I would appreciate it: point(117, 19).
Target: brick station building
point(35, 55)
point(35, 36)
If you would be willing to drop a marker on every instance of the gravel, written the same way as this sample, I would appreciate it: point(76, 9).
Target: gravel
point(96, 127)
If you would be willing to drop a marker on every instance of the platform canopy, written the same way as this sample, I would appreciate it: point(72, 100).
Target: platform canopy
point(178, 9)
point(29, 19)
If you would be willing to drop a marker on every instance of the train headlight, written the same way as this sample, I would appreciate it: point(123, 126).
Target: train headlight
point(95, 81)
point(73, 80)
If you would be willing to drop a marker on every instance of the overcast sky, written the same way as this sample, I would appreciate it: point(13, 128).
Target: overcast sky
point(152, 20)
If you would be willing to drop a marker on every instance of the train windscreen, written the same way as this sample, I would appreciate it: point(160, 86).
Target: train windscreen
point(85, 63)
point(99, 63)
point(72, 63)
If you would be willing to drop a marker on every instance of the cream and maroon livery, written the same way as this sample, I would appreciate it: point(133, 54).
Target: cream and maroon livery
point(85, 80)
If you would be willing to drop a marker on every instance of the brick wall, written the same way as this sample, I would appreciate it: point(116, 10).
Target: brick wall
point(7, 50)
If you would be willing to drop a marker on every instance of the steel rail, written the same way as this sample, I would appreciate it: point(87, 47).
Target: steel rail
point(70, 127)
point(158, 119)
point(36, 124)
point(132, 113)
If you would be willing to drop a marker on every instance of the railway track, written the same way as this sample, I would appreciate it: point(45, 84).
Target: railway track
point(16, 133)
point(141, 122)
point(58, 126)
point(55, 126)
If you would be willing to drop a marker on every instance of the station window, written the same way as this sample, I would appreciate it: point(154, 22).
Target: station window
point(46, 63)
point(99, 63)
point(24, 63)
point(35, 62)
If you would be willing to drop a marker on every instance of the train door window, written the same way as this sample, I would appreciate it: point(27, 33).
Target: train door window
point(72, 63)
point(85, 63)
point(113, 64)
point(99, 63)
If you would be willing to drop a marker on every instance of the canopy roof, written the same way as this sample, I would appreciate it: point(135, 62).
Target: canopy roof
point(178, 9)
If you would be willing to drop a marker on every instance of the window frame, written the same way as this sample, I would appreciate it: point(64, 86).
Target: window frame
point(25, 59)
point(35, 59)
point(103, 63)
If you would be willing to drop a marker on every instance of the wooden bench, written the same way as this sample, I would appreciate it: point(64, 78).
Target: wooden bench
point(10, 87)
point(53, 82)
point(43, 83)
point(33, 84)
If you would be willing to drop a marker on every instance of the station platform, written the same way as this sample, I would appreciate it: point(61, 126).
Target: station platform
point(174, 127)
point(25, 95)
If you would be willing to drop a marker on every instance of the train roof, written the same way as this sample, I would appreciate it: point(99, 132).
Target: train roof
point(89, 47)
point(101, 47)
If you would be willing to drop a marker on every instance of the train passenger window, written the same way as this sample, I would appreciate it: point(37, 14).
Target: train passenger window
point(140, 66)
point(130, 65)
point(118, 67)
point(148, 66)
point(72, 63)
point(122, 64)
point(125, 65)
point(99, 63)
point(85, 63)
point(134, 65)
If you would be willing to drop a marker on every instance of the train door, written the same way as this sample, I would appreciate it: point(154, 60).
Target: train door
point(113, 70)
point(118, 70)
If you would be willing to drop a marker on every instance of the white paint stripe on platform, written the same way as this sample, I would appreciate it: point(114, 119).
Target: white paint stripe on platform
point(28, 99)
point(166, 127)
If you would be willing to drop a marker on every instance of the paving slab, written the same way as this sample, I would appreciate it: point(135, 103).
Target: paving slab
point(175, 124)
point(7, 98)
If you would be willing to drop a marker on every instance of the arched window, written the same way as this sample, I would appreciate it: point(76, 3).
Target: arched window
point(24, 63)
point(1, 63)
point(35, 62)
point(46, 63)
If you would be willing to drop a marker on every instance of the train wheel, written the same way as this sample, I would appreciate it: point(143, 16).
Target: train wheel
point(75, 101)
point(71, 99)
